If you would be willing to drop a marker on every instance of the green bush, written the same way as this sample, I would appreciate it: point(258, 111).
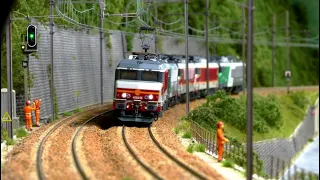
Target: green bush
point(190, 148)
point(227, 163)
point(199, 147)
point(299, 98)
point(78, 110)
point(196, 147)
point(266, 112)
point(187, 134)
point(4, 134)
point(10, 141)
point(176, 130)
point(67, 114)
point(21, 132)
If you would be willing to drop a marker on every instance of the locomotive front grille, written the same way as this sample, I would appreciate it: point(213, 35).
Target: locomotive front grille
point(152, 107)
point(120, 106)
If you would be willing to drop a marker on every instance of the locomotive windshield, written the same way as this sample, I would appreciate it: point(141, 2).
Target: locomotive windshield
point(149, 76)
point(139, 75)
point(128, 74)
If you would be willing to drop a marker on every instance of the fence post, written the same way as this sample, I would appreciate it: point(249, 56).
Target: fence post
point(277, 168)
point(294, 172)
point(302, 174)
point(191, 128)
point(230, 149)
point(310, 176)
point(289, 169)
point(196, 127)
point(215, 146)
point(207, 138)
point(283, 167)
point(226, 151)
point(210, 140)
point(201, 135)
point(271, 173)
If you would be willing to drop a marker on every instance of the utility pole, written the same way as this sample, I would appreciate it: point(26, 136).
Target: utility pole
point(9, 72)
point(243, 50)
point(102, 5)
point(214, 25)
point(249, 89)
point(288, 50)
point(207, 43)
point(26, 74)
point(273, 45)
point(155, 23)
point(187, 58)
point(51, 57)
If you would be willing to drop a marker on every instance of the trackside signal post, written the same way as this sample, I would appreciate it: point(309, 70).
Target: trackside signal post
point(28, 45)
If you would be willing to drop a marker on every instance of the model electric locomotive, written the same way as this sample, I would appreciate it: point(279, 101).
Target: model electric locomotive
point(146, 84)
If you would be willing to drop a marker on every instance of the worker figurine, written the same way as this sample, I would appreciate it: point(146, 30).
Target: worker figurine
point(37, 111)
point(27, 112)
point(220, 140)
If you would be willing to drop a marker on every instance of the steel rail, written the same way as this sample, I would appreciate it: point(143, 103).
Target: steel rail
point(74, 145)
point(135, 156)
point(40, 171)
point(181, 164)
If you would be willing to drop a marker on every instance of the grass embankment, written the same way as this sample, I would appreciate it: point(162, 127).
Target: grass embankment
point(293, 109)
point(274, 116)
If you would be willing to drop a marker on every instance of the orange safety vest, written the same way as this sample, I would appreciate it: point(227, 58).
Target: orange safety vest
point(28, 110)
point(220, 136)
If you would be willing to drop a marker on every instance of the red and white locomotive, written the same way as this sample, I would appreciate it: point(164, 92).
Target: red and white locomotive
point(147, 84)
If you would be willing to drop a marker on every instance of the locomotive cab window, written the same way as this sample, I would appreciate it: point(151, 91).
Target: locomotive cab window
point(198, 71)
point(127, 74)
point(180, 72)
point(149, 76)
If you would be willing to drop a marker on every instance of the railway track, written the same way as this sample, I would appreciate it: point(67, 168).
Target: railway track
point(148, 167)
point(40, 169)
point(74, 145)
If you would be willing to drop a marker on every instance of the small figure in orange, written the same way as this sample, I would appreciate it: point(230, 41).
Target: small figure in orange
point(220, 140)
point(37, 106)
point(27, 112)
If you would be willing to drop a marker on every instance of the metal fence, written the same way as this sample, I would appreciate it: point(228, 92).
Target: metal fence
point(276, 154)
point(232, 150)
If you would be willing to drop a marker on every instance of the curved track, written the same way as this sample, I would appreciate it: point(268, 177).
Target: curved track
point(184, 166)
point(40, 171)
point(135, 156)
point(162, 149)
point(74, 150)
point(41, 146)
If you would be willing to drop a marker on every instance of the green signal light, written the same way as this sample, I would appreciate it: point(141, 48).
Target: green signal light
point(31, 36)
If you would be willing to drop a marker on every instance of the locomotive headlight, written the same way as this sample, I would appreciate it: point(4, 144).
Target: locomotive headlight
point(150, 96)
point(124, 95)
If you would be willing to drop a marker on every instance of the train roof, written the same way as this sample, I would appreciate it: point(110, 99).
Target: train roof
point(197, 59)
point(141, 64)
